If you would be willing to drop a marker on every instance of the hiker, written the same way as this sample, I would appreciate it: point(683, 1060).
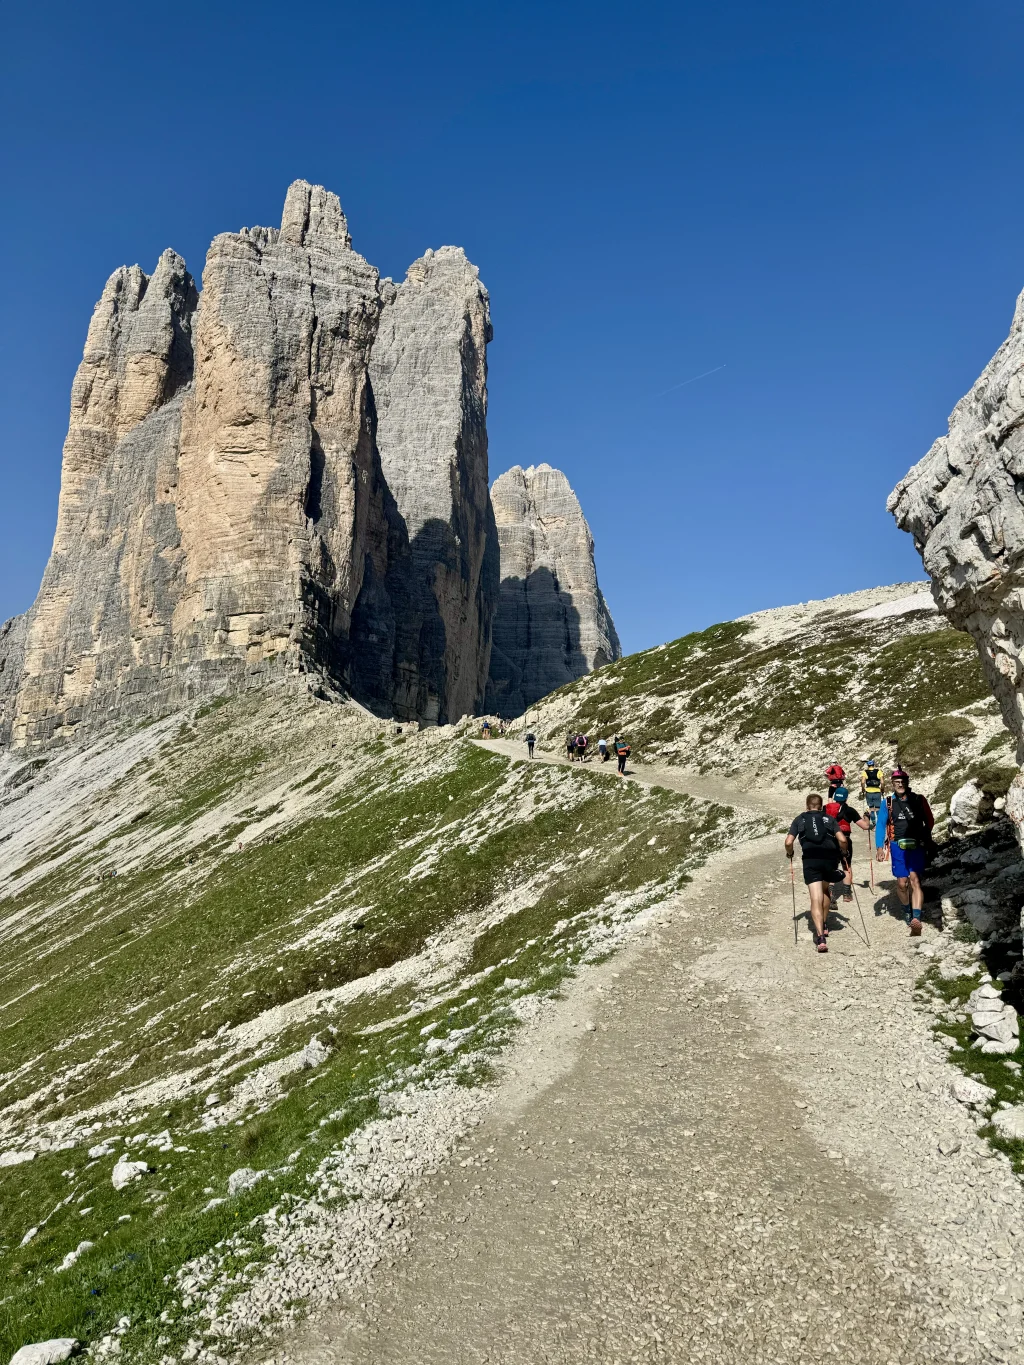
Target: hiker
point(822, 845)
point(581, 748)
point(531, 740)
point(845, 816)
point(835, 776)
point(487, 729)
point(570, 746)
point(602, 749)
point(872, 784)
point(622, 752)
point(905, 834)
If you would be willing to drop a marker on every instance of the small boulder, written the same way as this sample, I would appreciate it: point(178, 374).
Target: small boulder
point(46, 1352)
point(15, 1158)
point(244, 1179)
point(72, 1256)
point(970, 1092)
point(125, 1172)
point(314, 1054)
point(965, 805)
point(1009, 1123)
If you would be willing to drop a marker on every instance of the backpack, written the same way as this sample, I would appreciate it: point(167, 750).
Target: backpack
point(623, 751)
point(906, 825)
point(872, 779)
point(815, 833)
point(833, 808)
point(834, 772)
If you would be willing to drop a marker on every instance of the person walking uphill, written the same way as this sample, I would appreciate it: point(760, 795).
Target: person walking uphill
point(846, 816)
point(872, 782)
point(905, 832)
point(822, 844)
point(531, 740)
point(622, 752)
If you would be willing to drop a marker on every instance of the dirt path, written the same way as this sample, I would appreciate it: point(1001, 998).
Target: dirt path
point(720, 1146)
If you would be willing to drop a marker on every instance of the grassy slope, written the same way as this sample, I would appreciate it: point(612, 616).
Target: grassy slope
point(783, 693)
point(283, 873)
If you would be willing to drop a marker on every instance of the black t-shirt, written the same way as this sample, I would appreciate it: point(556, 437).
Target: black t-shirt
point(848, 814)
point(817, 834)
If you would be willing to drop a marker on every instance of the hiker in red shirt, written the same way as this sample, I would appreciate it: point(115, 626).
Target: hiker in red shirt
point(845, 816)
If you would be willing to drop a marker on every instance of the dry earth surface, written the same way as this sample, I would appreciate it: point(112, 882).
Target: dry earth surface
point(719, 1146)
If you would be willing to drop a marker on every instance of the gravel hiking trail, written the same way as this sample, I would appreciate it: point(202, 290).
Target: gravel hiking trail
point(719, 1146)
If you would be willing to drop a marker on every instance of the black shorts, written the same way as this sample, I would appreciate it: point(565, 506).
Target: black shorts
point(815, 871)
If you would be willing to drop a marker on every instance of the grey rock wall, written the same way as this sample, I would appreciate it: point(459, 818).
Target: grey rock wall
point(429, 374)
point(963, 505)
point(225, 513)
point(552, 624)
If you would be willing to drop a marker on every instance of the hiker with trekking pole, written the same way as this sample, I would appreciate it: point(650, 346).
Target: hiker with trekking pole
point(822, 845)
point(904, 833)
point(846, 816)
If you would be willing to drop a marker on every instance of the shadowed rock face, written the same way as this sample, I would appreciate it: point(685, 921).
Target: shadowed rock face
point(225, 515)
point(552, 624)
point(963, 505)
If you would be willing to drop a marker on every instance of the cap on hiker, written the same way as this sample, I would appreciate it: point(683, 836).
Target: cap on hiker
point(841, 793)
point(898, 775)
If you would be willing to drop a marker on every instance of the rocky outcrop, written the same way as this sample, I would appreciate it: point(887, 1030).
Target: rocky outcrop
point(237, 502)
point(552, 624)
point(963, 505)
point(429, 375)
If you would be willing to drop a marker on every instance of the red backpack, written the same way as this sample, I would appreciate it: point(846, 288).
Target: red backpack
point(833, 808)
point(835, 773)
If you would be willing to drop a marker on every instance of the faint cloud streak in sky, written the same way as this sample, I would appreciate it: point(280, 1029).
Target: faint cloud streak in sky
point(683, 385)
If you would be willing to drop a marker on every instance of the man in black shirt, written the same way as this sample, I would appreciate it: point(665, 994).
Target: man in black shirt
point(822, 844)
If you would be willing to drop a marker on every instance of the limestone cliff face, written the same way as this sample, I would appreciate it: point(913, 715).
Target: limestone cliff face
point(552, 624)
point(224, 513)
point(963, 505)
point(429, 374)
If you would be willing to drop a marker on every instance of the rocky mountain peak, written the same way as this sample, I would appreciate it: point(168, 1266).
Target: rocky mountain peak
point(313, 215)
point(552, 624)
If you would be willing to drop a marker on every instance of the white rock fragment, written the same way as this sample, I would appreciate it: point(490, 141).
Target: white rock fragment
point(72, 1256)
point(45, 1352)
point(1009, 1123)
point(314, 1054)
point(125, 1172)
point(970, 1092)
point(15, 1158)
point(28, 1236)
point(244, 1179)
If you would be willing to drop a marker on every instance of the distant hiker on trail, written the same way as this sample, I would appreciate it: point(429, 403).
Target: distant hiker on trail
point(822, 845)
point(570, 746)
point(872, 784)
point(581, 748)
point(531, 740)
point(835, 777)
point(845, 816)
point(622, 752)
point(906, 834)
point(487, 729)
point(602, 749)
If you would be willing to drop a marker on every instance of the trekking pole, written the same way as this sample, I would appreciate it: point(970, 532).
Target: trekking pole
point(863, 923)
point(792, 887)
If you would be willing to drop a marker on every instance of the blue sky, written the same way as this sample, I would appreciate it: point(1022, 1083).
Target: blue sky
point(820, 203)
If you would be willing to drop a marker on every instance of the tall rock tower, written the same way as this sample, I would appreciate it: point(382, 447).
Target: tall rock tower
point(238, 503)
point(552, 624)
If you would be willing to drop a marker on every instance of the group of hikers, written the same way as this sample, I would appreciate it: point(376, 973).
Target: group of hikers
point(577, 748)
point(902, 823)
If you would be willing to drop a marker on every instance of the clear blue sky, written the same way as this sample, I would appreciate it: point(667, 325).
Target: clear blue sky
point(825, 199)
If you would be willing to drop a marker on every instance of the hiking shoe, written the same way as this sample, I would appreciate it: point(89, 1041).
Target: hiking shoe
point(848, 896)
point(915, 927)
point(821, 943)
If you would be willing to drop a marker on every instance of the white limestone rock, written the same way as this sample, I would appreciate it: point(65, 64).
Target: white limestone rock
point(1009, 1123)
point(965, 805)
point(126, 1172)
point(970, 1092)
point(244, 1179)
point(46, 1352)
point(552, 624)
point(15, 1158)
